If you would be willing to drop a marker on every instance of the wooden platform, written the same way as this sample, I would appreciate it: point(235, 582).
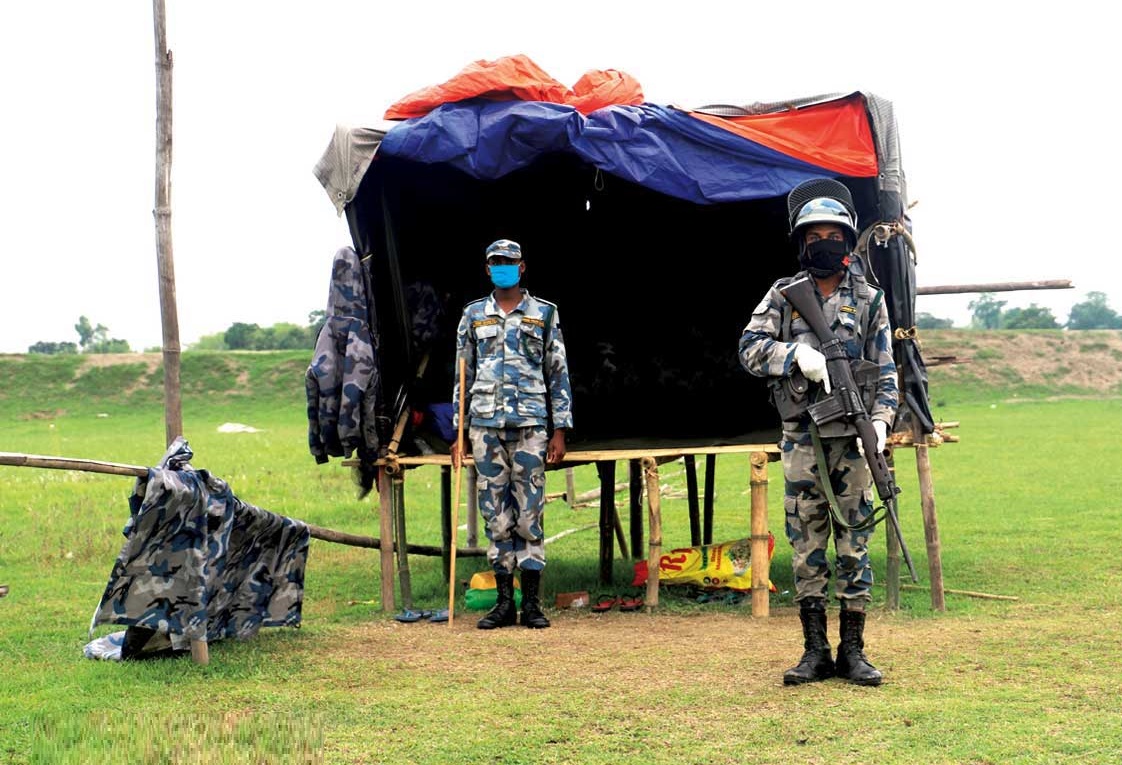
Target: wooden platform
point(643, 463)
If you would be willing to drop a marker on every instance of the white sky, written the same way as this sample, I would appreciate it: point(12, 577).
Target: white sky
point(1007, 141)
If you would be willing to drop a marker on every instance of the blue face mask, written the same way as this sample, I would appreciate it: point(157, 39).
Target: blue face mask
point(504, 276)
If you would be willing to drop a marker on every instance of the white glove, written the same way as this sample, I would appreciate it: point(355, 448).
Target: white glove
point(813, 364)
point(882, 434)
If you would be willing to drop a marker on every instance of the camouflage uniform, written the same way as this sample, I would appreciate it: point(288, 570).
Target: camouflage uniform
point(342, 383)
point(517, 383)
point(857, 314)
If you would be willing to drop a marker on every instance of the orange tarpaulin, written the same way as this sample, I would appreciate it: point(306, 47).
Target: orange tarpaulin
point(518, 78)
point(834, 135)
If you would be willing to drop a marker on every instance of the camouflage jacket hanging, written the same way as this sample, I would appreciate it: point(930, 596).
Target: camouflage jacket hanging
point(343, 383)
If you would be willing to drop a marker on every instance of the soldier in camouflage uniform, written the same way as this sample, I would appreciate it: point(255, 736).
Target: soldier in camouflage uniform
point(517, 390)
point(779, 345)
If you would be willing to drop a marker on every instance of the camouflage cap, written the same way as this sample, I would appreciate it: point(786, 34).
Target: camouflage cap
point(504, 248)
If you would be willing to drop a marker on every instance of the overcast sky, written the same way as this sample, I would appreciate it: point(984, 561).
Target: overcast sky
point(1009, 154)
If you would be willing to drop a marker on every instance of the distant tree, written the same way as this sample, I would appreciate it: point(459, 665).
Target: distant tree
point(215, 342)
point(49, 349)
point(85, 331)
point(1093, 313)
point(285, 336)
point(316, 320)
point(927, 321)
point(96, 339)
point(242, 337)
point(987, 311)
point(1033, 317)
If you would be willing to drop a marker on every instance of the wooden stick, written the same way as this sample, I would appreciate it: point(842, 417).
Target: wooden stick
point(654, 544)
point(456, 497)
point(930, 520)
point(966, 593)
point(316, 532)
point(169, 317)
point(761, 566)
point(952, 289)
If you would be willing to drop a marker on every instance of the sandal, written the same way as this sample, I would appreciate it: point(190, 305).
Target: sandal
point(409, 616)
point(631, 602)
point(605, 602)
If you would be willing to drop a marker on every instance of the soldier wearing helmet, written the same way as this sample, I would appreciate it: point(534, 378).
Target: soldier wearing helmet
point(779, 345)
point(518, 403)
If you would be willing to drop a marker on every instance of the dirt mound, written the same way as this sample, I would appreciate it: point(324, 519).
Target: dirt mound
point(1086, 361)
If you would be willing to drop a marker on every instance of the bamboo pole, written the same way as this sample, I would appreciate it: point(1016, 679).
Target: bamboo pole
point(404, 579)
point(654, 549)
point(385, 529)
point(953, 289)
point(14, 459)
point(892, 550)
point(761, 565)
point(173, 407)
point(456, 496)
point(930, 522)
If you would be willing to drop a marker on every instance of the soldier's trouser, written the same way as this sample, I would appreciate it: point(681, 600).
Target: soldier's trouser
point(510, 464)
point(808, 518)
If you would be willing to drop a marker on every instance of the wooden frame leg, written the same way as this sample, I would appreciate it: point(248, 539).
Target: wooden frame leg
point(654, 551)
point(635, 481)
point(691, 499)
point(707, 504)
point(400, 537)
point(200, 652)
point(385, 532)
point(761, 565)
point(607, 472)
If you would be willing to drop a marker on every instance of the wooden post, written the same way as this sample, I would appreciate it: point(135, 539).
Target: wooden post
point(397, 483)
point(654, 552)
point(472, 508)
point(173, 408)
point(447, 533)
point(385, 532)
point(930, 523)
point(761, 565)
point(607, 471)
point(892, 550)
point(165, 264)
point(707, 506)
point(691, 499)
point(635, 478)
point(570, 486)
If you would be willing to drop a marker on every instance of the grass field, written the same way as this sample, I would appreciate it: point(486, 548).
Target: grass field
point(1029, 505)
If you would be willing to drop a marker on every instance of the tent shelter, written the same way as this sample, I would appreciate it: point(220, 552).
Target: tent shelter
point(656, 230)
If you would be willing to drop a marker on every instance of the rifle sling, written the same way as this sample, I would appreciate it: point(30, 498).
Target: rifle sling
point(828, 490)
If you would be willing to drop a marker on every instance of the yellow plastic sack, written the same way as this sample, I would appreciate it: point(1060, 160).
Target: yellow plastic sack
point(728, 564)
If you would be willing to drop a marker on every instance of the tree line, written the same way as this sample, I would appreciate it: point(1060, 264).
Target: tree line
point(239, 336)
point(987, 312)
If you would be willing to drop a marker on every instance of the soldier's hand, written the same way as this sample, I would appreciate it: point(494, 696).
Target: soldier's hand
point(882, 434)
point(813, 364)
point(555, 452)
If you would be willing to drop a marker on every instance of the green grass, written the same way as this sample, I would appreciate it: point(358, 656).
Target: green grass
point(1029, 504)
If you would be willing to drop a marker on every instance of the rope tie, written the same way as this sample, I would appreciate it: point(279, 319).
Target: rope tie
point(911, 333)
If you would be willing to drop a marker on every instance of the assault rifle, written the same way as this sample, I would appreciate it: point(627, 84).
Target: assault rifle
point(845, 402)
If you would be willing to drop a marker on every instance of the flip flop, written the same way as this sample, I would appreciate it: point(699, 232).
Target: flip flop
point(605, 602)
point(631, 602)
point(439, 616)
point(409, 616)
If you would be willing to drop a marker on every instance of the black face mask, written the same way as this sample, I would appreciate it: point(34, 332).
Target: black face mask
point(824, 257)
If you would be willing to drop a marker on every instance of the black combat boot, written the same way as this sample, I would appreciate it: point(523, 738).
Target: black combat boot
point(532, 615)
point(852, 664)
point(816, 663)
point(504, 613)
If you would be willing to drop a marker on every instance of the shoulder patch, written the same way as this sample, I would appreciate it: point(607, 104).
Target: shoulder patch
point(848, 309)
